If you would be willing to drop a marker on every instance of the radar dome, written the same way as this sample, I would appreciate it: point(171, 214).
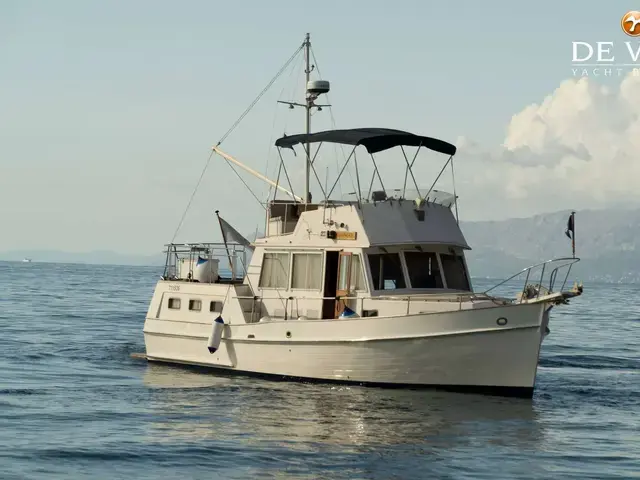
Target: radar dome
point(318, 86)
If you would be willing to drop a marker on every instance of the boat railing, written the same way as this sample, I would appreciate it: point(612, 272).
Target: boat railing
point(530, 291)
point(409, 194)
point(182, 259)
point(290, 302)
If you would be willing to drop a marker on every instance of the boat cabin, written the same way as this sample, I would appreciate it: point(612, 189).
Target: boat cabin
point(352, 254)
point(383, 252)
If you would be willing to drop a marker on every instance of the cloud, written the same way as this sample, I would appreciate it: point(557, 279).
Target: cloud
point(578, 148)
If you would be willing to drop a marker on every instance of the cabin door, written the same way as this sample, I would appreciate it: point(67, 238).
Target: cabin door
point(344, 278)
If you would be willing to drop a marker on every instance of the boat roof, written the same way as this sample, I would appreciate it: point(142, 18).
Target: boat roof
point(374, 139)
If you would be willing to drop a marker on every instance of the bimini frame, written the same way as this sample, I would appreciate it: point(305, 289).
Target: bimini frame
point(374, 140)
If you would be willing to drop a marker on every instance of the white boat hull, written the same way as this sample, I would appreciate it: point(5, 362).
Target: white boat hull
point(461, 350)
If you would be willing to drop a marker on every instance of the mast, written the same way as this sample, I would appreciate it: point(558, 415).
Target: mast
point(313, 89)
point(308, 105)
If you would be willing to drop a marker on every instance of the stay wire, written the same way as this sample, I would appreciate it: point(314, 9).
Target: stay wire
point(333, 121)
point(193, 194)
point(227, 133)
point(275, 116)
point(245, 184)
point(264, 90)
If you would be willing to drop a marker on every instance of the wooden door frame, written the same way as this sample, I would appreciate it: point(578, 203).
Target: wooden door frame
point(340, 304)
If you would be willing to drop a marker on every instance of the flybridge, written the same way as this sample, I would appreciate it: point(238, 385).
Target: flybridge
point(374, 140)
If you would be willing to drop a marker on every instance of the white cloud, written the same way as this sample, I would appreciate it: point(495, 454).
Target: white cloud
point(578, 148)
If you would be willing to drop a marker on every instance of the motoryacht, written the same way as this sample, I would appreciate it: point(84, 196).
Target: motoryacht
point(372, 289)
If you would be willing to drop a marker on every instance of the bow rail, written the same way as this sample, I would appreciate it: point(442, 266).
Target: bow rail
point(530, 291)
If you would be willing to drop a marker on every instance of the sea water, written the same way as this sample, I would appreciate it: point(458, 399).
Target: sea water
point(74, 404)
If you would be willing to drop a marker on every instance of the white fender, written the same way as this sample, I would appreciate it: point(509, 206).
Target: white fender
point(216, 335)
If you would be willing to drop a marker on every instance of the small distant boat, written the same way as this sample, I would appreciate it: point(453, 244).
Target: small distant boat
point(26, 260)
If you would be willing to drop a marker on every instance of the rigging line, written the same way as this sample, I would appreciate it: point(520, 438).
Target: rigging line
point(292, 95)
point(284, 167)
point(455, 196)
point(333, 120)
point(236, 123)
point(193, 194)
point(275, 117)
point(245, 184)
point(264, 90)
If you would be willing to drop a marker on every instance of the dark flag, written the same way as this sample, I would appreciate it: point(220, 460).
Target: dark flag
point(569, 226)
point(229, 232)
point(571, 232)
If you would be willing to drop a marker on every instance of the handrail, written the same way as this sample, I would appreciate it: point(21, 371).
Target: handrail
point(452, 297)
point(291, 302)
point(198, 246)
point(412, 298)
point(568, 262)
point(231, 251)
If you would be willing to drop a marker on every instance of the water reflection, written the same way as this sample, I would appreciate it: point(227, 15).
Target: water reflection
point(199, 406)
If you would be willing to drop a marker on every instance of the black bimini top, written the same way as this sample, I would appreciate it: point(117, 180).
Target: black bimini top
point(374, 139)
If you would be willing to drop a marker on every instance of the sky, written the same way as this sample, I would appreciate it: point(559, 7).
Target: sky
point(110, 109)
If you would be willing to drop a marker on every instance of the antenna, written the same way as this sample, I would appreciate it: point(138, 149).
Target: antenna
point(307, 71)
point(314, 88)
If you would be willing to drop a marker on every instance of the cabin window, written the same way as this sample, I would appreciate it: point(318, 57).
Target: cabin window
point(386, 271)
point(423, 269)
point(357, 278)
point(174, 303)
point(343, 272)
point(275, 271)
point(307, 271)
point(215, 306)
point(454, 272)
point(195, 305)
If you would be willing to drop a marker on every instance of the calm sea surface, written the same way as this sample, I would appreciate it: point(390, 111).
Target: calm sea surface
point(74, 404)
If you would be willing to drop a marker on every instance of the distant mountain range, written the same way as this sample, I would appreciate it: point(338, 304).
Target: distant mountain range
point(607, 241)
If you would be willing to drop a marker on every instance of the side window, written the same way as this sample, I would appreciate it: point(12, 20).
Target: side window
point(307, 271)
point(423, 269)
point(343, 272)
point(357, 278)
point(275, 271)
point(195, 305)
point(215, 306)
point(174, 303)
point(454, 272)
point(386, 271)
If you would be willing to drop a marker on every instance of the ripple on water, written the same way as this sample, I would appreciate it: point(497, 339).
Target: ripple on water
point(73, 403)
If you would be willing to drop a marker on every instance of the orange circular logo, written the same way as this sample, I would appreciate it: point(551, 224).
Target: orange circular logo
point(630, 23)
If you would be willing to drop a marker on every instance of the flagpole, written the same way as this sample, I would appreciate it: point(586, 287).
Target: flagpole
point(224, 239)
point(573, 234)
